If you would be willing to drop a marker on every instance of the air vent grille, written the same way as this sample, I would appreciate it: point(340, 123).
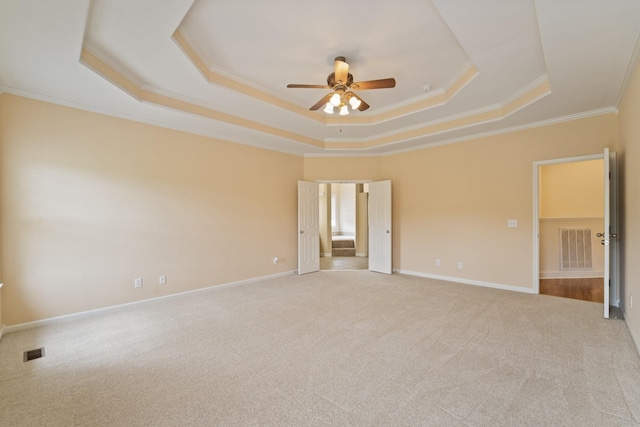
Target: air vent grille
point(575, 249)
point(33, 354)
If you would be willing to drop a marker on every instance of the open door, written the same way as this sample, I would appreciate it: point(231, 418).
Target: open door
point(610, 234)
point(308, 228)
point(380, 227)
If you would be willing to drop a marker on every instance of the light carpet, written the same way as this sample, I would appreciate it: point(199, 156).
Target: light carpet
point(329, 349)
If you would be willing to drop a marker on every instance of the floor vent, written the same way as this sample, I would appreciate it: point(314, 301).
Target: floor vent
point(33, 354)
point(575, 249)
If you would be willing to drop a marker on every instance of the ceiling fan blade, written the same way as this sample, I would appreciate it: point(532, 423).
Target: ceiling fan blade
point(341, 70)
point(374, 84)
point(297, 86)
point(322, 102)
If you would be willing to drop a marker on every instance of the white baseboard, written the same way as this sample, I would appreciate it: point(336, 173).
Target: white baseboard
point(469, 282)
point(58, 319)
point(326, 255)
point(361, 254)
point(575, 274)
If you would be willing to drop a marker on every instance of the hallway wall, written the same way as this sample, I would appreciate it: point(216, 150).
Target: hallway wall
point(629, 159)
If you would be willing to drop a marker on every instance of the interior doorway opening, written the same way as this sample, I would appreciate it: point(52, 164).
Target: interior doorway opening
point(343, 226)
point(571, 216)
point(607, 237)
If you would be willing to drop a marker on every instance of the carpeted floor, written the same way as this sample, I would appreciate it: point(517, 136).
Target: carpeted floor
point(329, 349)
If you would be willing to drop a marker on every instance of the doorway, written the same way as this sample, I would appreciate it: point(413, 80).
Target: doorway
point(571, 215)
point(343, 226)
point(576, 244)
point(312, 204)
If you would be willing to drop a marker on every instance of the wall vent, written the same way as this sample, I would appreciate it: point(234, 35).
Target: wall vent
point(575, 249)
point(33, 354)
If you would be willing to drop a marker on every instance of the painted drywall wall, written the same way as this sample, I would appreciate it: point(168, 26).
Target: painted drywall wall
point(572, 190)
point(362, 221)
point(629, 159)
point(90, 202)
point(343, 168)
point(324, 220)
point(453, 202)
point(346, 198)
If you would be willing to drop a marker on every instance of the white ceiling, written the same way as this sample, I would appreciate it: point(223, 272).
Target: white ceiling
point(492, 65)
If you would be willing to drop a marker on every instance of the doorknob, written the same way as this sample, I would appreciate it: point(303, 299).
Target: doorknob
point(388, 231)
point(301, 231)
point(612, 235)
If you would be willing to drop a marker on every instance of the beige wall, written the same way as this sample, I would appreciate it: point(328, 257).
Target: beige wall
point(453, 202)
point(324, 220)
point(90, 202)
point(343, 168)
point(362, 221)
point(629, 160)
point(570, 190)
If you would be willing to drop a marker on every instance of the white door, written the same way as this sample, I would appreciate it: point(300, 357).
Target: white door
point(308, 228)
point(610, 234)
point(380, 227)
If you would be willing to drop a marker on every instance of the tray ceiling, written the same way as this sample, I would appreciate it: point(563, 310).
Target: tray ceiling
point(220, 67)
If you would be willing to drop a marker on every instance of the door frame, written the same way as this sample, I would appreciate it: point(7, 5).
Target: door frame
point(614, 289)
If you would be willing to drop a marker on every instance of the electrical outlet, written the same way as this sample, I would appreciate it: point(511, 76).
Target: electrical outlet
point(275, 260)
point(163, 280)
point(460, 265)
point(512, 223)
point(137, 283)
point(437, 263)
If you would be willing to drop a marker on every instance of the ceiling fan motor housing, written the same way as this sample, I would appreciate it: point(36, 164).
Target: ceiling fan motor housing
point(331, 80)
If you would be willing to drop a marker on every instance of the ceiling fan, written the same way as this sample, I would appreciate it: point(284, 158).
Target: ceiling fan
point(342, 84)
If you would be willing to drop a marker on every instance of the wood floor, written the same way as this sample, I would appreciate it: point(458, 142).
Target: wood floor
point(588, 289)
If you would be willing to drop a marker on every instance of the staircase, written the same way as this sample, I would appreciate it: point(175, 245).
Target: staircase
point(343, 247)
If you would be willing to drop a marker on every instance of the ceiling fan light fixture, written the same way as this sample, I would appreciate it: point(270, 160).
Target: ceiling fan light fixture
point(340, 81)
point(328, 108)
point(354, 102)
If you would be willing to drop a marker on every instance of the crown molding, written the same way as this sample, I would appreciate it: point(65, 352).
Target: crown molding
point(542, 123)
point(634, 60)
